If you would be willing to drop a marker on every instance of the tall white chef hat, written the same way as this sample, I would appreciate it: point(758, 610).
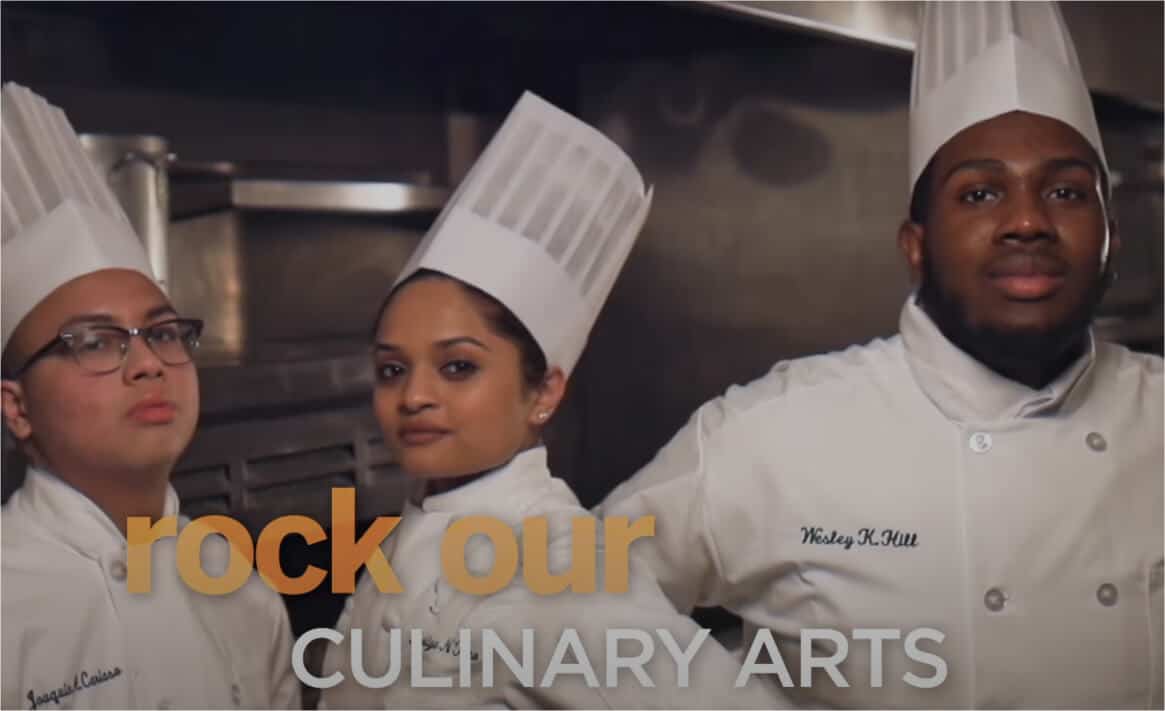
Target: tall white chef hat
point(60, 219)
point(543, 222)
point(977, 60)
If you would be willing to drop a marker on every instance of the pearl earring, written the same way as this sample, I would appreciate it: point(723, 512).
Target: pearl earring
point(542, 416)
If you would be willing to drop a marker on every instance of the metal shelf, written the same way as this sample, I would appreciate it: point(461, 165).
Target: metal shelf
point(201, 187)
point(374, 198)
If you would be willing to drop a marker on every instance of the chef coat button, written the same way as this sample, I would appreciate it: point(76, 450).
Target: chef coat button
point(1096, 442)
point(1107, 594)
point(995, 599)
point(980, 442)
point(117, 570)
point(236, 694)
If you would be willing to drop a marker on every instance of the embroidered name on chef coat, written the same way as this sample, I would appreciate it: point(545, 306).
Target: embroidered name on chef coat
point(863, 537)
point(81, 681)
point(452, 647)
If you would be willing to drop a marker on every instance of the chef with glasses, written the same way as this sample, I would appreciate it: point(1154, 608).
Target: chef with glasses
point(101, 396)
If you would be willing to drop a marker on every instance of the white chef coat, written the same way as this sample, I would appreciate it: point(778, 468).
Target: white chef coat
point(72, 630)
point(1036, 518)
point(522, 488)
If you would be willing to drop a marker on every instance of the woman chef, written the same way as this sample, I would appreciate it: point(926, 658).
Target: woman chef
point(100, 393)
point(473, 349)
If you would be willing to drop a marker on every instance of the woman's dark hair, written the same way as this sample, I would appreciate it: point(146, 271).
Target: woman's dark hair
point(501, 320)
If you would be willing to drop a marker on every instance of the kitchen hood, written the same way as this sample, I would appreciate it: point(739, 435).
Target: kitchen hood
point(1130, 70)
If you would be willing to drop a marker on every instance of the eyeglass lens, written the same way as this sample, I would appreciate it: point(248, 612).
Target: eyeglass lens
point(101, 349)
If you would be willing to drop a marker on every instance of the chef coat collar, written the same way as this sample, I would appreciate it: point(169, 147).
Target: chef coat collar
point(966, 390)
point(73, 518)
point(503, 493)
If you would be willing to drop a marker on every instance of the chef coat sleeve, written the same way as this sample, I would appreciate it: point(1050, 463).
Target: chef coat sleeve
point(678, 487)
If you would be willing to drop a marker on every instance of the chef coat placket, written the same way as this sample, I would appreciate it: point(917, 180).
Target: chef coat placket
point(193, 672)
point(1042, 528)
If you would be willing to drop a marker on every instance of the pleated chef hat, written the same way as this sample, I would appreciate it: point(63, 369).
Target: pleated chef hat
point(543, 222)
point(977, 60)
point(60, 219)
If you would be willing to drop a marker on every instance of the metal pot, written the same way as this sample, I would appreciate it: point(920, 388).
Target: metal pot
point(136, 168)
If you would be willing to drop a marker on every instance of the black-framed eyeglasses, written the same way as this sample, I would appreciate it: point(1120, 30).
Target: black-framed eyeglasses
point(101, 348)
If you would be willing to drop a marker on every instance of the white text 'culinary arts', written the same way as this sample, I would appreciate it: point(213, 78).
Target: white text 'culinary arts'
point(478, 654)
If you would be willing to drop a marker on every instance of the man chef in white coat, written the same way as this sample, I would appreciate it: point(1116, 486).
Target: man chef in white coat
point(992, 472)
point(100, 392)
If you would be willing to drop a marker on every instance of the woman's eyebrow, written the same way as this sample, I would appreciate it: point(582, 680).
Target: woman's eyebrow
point(443, 343)
point(447, 342)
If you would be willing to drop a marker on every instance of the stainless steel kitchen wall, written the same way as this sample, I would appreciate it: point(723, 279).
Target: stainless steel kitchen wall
point(1093, 25)
point(285, 374)
point(780, 181)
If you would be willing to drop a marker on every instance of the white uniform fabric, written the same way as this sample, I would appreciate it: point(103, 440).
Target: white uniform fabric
point(74, 637)
point(978, 60)
point(1029, 522)
point(521, 489)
